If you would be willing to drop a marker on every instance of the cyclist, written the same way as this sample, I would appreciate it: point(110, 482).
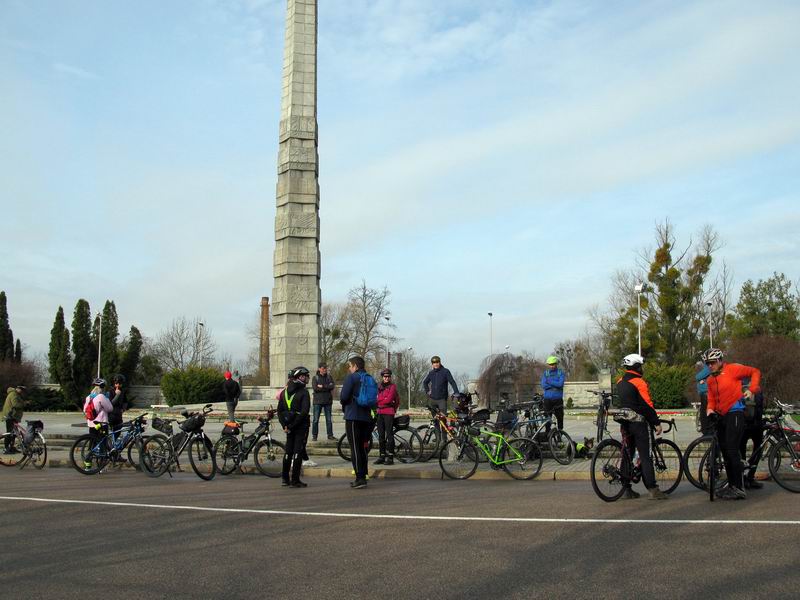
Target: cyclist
point(12, 414)
point(358, 421)
point(119, 401)
point(294, 405)
point(388, 402)
point(725, 398)
point(436, 382)
point(634, 394)
point(553, 387)
point(101, 407)
point(702, 389)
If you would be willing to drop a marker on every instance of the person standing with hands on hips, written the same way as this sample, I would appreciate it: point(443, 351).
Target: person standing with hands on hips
point(553, 388)
point(294, 404)
point(436, 382)
point(322, 385)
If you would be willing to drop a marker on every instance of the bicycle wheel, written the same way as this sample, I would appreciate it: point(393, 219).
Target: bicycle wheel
point(11, 460)
point(606, 473)
point(155, 455)
point(526, 455)
point(692, 457)
point(458, 459)
point(227, 450)
point(561, 446)
point(667, 464)
point(784, 465)
point(268, 455)
point(134, 452)
point(431, 438)
point(407, 445)
point(343, 447)
point(85, 456)
point(37, 451)
point(203, 457)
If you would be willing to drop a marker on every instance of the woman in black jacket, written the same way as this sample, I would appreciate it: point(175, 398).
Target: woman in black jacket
point(294, 404)
point(119, 400)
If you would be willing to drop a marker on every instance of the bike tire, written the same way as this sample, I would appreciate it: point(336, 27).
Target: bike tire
point(84, 459)
point(784, 465)
point(37, 451)
point(12, 460)
point(458, 459)
point(134, 452)
point(668, 465)
point(155, 455)
point(268, 455)
point(227, 449)
point(561, 446)
point(712, 471)
point(202, 457)
point(343, 447)
point(529, 463)
point(692, 459)
point(431, 439)
point(606, 470)
point(407, 445)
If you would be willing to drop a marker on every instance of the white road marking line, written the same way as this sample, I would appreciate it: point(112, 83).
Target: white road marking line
point(300, 513)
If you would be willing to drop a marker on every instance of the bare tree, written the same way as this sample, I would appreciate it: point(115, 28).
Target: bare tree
point(368, 314)
point(184, 343)
point(336, 335)
point(516, 375)
point(410, 365)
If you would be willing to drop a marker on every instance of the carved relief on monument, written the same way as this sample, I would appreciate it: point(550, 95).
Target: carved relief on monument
point(298, 298)
point(298, 127)
point(293, 156)
point(296, 224)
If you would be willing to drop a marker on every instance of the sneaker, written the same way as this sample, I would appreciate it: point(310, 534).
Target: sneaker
point(380, 461)
point(752, 484)
point(309, 463)
point(629, 494)
point(389, 461)
point(11, 451)
point(738, 493)
point(314, 439)
point(657, 494)
point(359, 483)
point(298, 484)
point(725, 493)
point(331, 437)
point(284, 483)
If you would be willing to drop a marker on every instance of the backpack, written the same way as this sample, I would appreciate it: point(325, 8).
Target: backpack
point(367, 391)
point(90, 411)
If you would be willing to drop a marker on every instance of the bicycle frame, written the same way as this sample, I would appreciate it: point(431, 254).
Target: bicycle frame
point(495, 457)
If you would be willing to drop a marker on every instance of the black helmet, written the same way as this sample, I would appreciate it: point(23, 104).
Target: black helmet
point(298, 372)
point(119, 378)
point(386, 372)
point(99, 382)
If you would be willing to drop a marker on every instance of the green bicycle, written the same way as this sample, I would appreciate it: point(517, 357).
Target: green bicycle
point(519, 457)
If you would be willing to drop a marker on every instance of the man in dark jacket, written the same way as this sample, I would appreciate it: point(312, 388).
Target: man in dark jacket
point(232, 392)
point(358, 421)
point(435, 384)
point(322, 385)
point(294, 405)
point(119, 400)
point(12, 413)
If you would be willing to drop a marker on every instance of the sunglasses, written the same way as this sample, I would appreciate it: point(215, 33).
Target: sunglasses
point(387, 376)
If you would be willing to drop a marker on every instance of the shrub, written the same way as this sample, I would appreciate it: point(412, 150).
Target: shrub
point(47, 399)
point(13, 374)
point(194, 385)
point(669, 385)
point(777, 358)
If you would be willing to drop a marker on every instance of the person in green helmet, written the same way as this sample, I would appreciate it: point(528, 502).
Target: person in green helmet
point(553, 388)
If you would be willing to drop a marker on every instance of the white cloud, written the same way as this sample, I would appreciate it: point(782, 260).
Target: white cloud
point(71, 70)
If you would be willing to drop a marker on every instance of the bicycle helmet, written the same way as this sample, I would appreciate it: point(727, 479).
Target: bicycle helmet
point(298, 372)
point(633, 360)
point(99, 382)
point(386, 372)
point(713, 355)
point(119, 378)
point(552, 360)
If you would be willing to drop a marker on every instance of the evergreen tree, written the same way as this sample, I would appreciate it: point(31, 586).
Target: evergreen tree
point(6, 337)
point(768, 307)
point(109, 353)
point(129, 359)
point(83, 351)
point(18, 352)
point(56, 342)
point(64, 371)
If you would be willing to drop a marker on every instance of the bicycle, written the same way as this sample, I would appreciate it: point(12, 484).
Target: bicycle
point(407, 442)
point(781, 445)
point(232, 450)
point(613, 468)
point(32, 447)
point(433, 434)
point(91, 452)
point(698, 424)
point(603, 404)
point(521, 458)
point(161, 452)
point(538, 420)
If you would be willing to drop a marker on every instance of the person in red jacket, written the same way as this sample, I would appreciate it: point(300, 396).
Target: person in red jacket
point(725, 398)
point(388, 402)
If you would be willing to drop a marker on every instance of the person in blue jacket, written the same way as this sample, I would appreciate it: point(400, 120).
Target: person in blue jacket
point(553, 387)
point(703, 373)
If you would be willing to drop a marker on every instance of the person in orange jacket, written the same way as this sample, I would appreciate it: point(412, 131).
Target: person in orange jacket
point(725, 399)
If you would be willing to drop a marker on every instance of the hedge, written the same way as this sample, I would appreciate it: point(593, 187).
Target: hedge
point(669, 384)
point(194, 385)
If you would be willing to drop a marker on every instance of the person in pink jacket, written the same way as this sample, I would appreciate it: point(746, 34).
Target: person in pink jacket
point(101, 405)
point(388, 402)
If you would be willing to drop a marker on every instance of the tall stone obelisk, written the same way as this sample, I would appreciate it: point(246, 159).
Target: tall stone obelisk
point(296, 297)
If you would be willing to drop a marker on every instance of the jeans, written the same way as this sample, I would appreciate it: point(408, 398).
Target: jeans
point(318, 408)
point(231, 409)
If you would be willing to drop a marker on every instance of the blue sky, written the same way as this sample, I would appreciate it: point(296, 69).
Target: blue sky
point(475, 156)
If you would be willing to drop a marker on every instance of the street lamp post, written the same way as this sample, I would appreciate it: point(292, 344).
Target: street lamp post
point(408, 381)
point(640, 288)
point(710, 333)
point(388, 354)
point(99, 343)
point(491, 342)
point(200, 329)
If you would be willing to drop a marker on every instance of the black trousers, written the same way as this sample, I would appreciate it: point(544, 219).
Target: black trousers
point(557, 408)
point(752, 431)
point(386, 434)
point(729, 433)
point(295, 451)
point(636, 436)
point(9, 439)
point(703, 416)
point(358, 434)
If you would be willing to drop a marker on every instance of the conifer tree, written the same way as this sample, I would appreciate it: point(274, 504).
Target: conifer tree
point(83, 351)
point(130, 357)
point(109, 353)
point(56, 343)
point(6, 336)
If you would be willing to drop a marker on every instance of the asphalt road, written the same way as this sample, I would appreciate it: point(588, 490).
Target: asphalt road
point(149, 539)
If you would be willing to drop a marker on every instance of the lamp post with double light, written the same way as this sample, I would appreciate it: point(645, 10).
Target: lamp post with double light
point(408, 381)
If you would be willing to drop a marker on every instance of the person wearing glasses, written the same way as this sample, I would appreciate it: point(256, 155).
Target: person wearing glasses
point(725, 399)
point(436, 382)
point(388, 403)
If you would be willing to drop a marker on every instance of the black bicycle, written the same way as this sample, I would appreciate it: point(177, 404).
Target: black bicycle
point(92, 452)
point(613, 468)
point(407, 442)
point(160, 453)
point(538, 424)
point(233, 448)
point(603, 404)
